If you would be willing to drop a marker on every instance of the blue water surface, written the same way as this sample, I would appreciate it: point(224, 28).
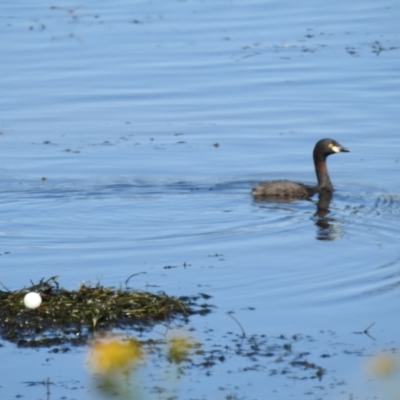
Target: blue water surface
point(131, 135)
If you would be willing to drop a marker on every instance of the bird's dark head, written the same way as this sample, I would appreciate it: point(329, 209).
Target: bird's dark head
point(325, 147)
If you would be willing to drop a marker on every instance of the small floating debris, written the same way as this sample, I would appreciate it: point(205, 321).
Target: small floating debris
point(44, 314)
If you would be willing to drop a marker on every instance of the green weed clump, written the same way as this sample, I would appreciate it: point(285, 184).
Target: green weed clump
point(70, 316)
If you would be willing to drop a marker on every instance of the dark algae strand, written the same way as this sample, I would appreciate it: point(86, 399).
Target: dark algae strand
point(286, 190)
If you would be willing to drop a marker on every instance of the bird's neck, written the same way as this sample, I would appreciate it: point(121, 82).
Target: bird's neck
point(322, 172)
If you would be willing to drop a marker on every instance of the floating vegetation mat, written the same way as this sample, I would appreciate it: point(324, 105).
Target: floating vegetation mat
point(70, 316)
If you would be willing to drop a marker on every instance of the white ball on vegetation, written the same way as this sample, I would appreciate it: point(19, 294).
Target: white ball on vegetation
point(32, 300)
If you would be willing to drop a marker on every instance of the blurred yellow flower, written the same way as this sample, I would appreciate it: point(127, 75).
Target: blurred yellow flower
point(179, 346)
point(383, 365)
point(114, 354)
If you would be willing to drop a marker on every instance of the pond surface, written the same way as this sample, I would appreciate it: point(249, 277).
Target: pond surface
point(131, 135)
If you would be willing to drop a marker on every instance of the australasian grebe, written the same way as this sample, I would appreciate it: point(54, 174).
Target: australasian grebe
point(287, 190)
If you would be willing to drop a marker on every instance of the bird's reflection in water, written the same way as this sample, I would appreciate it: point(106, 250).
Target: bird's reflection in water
point(327, 227)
